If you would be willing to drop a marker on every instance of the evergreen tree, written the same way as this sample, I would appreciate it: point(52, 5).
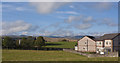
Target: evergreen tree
point(8, 42)
point(23, 43)
point(30, 41)
point(39, 42)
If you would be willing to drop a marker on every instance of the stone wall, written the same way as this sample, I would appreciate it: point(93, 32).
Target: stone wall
point(111, 54)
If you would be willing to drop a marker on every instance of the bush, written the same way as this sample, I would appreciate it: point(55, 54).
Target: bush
point(90, 52)
point(64, 40)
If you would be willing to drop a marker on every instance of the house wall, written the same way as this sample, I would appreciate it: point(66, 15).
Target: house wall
point(86, 44)
point(116, 43)
point(99, 43)
point(98, 47)
point(108, 45)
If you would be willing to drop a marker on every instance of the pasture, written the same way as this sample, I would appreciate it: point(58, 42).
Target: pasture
point(60, 44)
point(42, 55)
point(34, 55)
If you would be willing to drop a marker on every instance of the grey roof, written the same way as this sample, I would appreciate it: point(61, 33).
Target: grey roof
point(107, 36)
point(91, 37)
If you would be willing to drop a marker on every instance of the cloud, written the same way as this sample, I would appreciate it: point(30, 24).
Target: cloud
point(24, 33)
point(67, 12)
point(66, 32)
point(83, 26)
point(73, 18)
point(20, 9)
point(100, 33)
point(103, 6)
point(80, 18)
point(71, 6)
point(47, 7)
point(57, 32)
point(108, 22)
point(94, 6)
point(10, 7)
point(80, 22)
point(88, 19)
point(60, 0)
point(63, 32)
point(6, 5)
point(16, 26)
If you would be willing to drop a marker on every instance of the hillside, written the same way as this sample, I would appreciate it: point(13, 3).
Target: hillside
point(58, 39)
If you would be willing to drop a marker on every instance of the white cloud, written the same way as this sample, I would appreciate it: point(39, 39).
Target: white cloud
point(71, 6)
point(6, 5)
point(47, 7)
point(85, 22)
point(83, 26)
point(67, 12)
point(57, 32)
point(100, 33)
point(94, 6)
point(62, 32)
point(100, 6)
point(60, 0)
point(108, 22)
point(88, 19)
point(73, 18)
point(80, 22)
point(9, 7)
point(16, 26)
point(20, 9)
point(24, 33)
point(81, 18)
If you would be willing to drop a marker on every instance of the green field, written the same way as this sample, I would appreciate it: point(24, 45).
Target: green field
point(34, 55)
point(60, 44)
point(40, 55)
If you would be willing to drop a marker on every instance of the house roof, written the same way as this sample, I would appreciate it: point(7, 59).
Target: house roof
point(91, 37)
point(107, 36)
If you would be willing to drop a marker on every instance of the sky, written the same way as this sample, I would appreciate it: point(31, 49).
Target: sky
point(59, 18)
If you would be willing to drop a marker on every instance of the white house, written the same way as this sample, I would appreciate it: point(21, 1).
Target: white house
point(105, 43)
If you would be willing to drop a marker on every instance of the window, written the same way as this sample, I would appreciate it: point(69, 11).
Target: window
point(99, 42)
point(110, 43)
point(107, 43)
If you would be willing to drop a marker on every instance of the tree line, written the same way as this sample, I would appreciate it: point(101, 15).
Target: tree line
point(23, 43)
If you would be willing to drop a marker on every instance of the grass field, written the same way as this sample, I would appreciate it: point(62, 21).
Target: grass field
point(61, 44)
point(33, 55)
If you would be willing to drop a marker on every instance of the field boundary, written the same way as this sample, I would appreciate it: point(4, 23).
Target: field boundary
point(111, 54)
